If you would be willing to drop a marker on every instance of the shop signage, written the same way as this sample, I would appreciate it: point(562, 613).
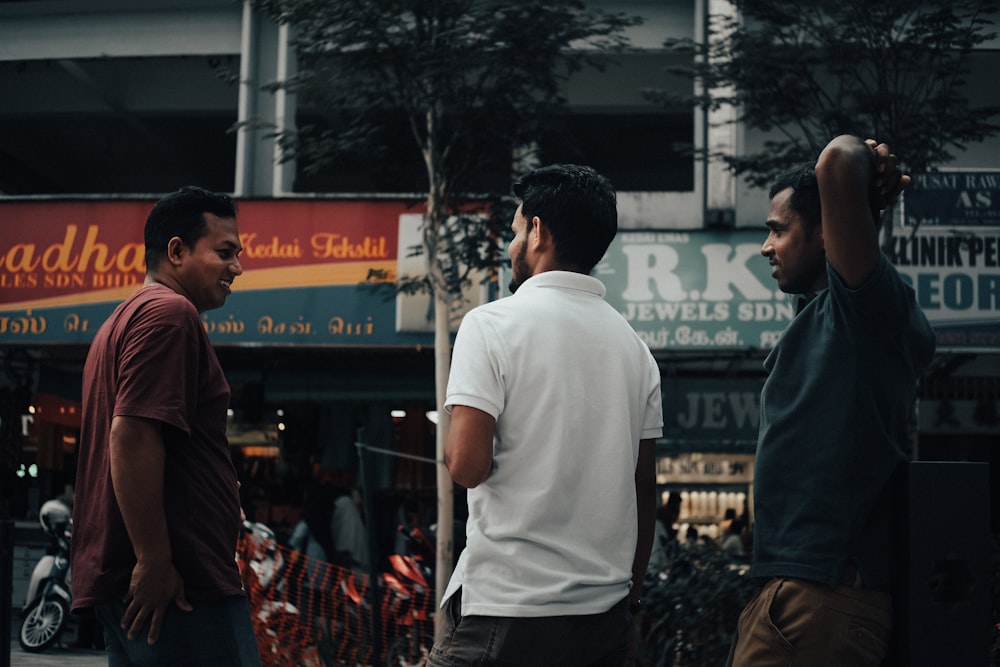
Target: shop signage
point(713, 290)
point(65, 265)
point(710, 415)
point(956, 276)
point(953, 199)
point(696, 290)
point(705, 469)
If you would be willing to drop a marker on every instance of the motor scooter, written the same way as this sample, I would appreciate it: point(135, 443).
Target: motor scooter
point(264, 569)
point(410, 610)
point(46, 606)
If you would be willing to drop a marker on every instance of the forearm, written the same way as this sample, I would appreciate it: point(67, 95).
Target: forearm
point(468, 451)
point(137, 468)
point(645, 494)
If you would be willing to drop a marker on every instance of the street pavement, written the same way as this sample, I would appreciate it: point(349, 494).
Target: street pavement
point(58, 655)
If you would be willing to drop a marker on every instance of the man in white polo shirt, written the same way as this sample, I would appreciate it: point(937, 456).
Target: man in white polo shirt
point(555, 405)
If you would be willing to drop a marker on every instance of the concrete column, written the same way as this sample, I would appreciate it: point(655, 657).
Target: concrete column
point(265, 57)
point(720, 137)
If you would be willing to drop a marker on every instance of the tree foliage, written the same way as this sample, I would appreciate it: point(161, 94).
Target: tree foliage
point(690, 610)
point(803, 72)
point(462, 72)
point(470, 79)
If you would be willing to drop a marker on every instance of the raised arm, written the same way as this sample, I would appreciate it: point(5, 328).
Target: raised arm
point(856, 179)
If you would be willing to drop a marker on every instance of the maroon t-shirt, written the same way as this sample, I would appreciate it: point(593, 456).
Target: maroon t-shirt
point(153, 359)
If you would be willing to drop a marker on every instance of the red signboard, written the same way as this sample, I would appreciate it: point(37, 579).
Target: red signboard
point(59, 253)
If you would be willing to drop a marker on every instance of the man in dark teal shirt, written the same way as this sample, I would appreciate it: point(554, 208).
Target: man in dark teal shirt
point(836, 410)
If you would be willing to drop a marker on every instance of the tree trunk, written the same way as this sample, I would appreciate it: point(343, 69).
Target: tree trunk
point(437, 200)
point(442, 367)
point(445, 495)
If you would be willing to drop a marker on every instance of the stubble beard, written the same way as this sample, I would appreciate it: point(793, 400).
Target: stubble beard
point(519, 270)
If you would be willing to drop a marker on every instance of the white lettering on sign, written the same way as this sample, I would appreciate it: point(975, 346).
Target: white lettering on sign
point(719, 410)
point(654, 266)
point(727, 265)
point(681, 295)
point(972, 250)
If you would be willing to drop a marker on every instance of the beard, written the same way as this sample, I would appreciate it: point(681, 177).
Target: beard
point(519, 269)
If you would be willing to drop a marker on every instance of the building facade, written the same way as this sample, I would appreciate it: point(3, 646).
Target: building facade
point(106, 105)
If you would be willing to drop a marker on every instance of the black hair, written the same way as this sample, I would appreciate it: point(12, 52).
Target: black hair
point(578, 207)
point(181, 214)
point(805, 193)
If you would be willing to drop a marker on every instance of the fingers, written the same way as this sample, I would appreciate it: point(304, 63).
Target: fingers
point(134, 620)
point(135, 617)
point(154, 626)
point(182, 602)
point(137, 614)
point(887, 179)
point(889, 174)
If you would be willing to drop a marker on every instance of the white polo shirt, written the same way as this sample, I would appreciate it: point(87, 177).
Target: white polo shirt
point(552, 530)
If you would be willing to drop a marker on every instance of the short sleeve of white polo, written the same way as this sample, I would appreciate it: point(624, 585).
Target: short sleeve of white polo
point(478, 367)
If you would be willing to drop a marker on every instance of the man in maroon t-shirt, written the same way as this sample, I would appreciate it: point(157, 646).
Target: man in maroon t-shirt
point(157, 513)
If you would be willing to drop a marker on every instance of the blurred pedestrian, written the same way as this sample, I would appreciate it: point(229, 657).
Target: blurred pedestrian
point(664, 533)
point(732, 538)
point(311, 536)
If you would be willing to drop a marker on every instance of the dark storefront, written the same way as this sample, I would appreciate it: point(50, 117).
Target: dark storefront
point(319, 361)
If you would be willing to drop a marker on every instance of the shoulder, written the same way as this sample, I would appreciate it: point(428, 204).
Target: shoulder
point(490, 316)
point(161, 306)
point(884, 304)
point(165, 299)
point(883, 283)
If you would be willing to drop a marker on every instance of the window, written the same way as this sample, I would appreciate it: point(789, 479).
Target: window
point(637, 151)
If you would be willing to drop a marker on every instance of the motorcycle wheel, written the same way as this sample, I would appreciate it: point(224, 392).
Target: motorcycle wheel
point(43, 622)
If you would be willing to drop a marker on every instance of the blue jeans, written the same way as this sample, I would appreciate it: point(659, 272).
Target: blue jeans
point(797, 623)
point(594, 640)
point(217, 633)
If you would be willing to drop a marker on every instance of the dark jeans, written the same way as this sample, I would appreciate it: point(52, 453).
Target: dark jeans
point(594, 640)
point(217, 633)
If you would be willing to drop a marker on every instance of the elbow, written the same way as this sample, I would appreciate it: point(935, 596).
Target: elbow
point(844, 150)
point(465, 483)
point(466, 479)
point(465, 475)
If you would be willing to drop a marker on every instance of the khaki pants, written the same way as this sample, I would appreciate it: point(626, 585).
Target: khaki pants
point(793, 623)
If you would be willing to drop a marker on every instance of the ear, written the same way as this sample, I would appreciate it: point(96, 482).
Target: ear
point(538, 235)
point(175, 250)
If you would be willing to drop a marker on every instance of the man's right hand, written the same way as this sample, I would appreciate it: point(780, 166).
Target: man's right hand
point(152, 588)
point(887, 180)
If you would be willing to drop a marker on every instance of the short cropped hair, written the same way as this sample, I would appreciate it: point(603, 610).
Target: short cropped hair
point(805, 193)
point(578, 207)
point(181, 214)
